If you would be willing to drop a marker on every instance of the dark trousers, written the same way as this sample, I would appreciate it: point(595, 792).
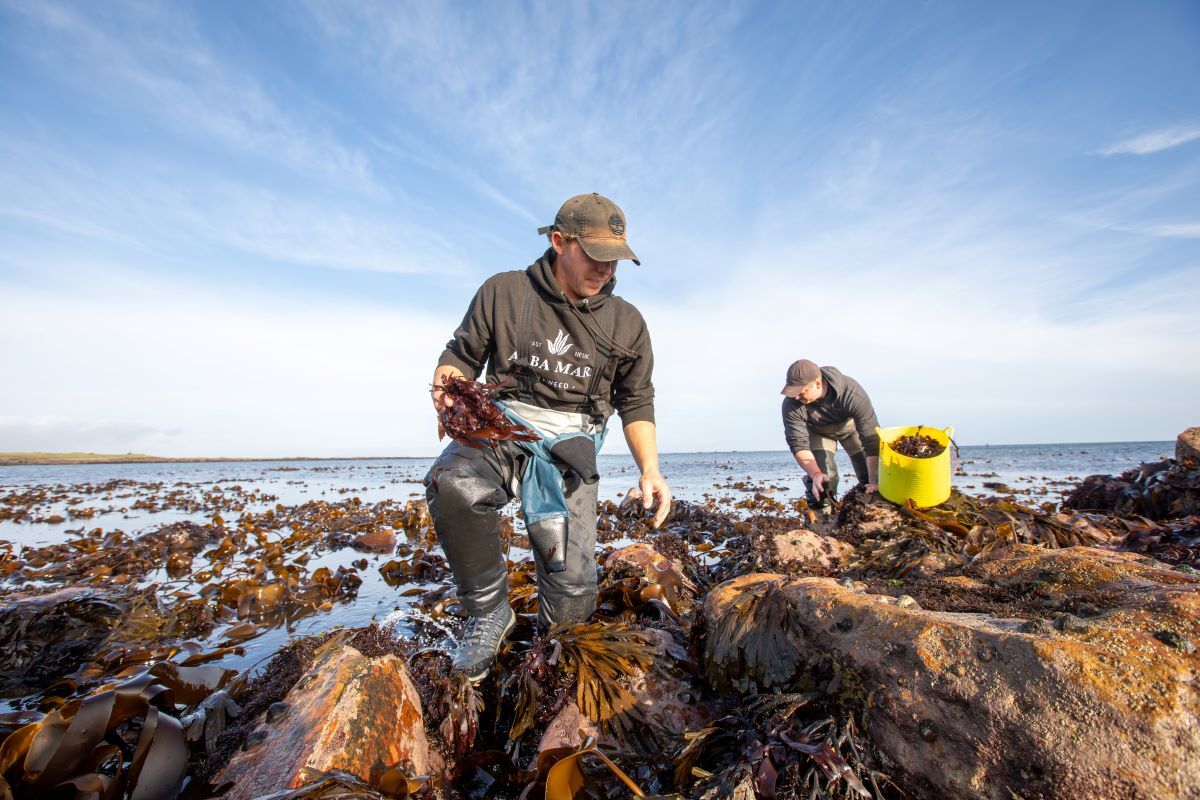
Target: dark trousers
point(466, 488)
point(823, 443)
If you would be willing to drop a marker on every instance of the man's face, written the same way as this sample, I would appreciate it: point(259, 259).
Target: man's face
point(577, 273)
point(809, 392)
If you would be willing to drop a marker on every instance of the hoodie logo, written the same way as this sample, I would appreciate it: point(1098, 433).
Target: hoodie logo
point(560, 345)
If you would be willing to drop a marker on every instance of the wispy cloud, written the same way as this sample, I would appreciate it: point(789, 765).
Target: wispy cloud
point(1181, 230)
point(1155, 141)
point(152, 205)
point(570, 92)
point(151, 57)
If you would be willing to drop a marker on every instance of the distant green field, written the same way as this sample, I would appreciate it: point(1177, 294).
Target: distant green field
point(50, 458)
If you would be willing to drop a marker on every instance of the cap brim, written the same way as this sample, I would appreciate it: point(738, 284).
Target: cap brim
point(785, 389)
point(613, 249)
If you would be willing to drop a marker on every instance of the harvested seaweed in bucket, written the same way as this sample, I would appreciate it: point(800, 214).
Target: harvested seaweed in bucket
point(918, 445)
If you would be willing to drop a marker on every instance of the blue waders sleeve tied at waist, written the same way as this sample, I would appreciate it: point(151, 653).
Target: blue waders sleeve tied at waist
point(543, 492)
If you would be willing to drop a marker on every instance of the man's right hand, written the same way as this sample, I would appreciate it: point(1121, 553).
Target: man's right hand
point(441, 400)
point(818, 484)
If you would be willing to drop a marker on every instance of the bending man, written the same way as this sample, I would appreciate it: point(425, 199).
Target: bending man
point(570, 353)
point(822, 407)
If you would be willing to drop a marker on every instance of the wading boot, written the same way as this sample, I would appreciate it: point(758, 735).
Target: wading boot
point(481, 641)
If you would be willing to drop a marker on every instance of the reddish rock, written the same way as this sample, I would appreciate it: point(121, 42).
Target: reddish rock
point(1187, 446)
point(805, 551)
point(639, 557)
point(568, 729)
point(652, 567)
point(380, 540)
point(668, 703)
point(348, 712)
point(970, 705)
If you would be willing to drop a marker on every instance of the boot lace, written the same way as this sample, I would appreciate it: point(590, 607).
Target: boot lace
point(485, 630)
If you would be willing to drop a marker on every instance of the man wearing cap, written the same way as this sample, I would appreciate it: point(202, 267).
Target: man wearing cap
point(822, 407)
point(569, 353)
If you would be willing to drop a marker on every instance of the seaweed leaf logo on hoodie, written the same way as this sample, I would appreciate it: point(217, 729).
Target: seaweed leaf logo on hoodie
point(560, 345)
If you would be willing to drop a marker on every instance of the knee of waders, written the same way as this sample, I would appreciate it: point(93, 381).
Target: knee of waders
point(452, 492)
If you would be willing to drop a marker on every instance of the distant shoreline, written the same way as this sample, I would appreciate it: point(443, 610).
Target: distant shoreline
point(61, 459)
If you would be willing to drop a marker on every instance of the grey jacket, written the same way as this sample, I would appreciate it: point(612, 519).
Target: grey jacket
point(563, 348)
point(844, 399)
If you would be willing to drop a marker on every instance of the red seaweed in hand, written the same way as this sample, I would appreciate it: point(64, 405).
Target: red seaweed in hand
point(474, 420)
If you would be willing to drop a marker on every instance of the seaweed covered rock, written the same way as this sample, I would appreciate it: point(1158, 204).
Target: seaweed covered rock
point(667, 703)
point(972, 705)
point(641, 575)
point(348, 712)
point(46, 636)
point(1174, 543)
point(1158, 490)
point(752, 639)
point(802, 551)
point(899, 541)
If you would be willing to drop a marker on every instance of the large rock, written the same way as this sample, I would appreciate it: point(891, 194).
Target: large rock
point(804, 551)
point(1187, 446)
point(969, 705)
point(348, 712)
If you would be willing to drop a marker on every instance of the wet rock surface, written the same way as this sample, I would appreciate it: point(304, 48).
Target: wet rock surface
point(806, 551)
point(1187, 446)
point(973, 705)
point(347, 712)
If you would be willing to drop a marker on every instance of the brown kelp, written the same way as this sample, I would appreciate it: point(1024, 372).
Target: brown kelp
point(1176, 543)
point(894, 541)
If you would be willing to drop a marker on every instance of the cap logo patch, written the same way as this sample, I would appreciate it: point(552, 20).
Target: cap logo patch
point(616, 225)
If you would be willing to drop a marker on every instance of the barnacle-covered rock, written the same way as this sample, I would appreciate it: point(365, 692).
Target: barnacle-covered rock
point(972, 705)
point(348, 712)
point(802, 551)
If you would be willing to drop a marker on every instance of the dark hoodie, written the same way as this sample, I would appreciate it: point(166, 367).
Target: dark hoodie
point(563, 352)
point(844, 399)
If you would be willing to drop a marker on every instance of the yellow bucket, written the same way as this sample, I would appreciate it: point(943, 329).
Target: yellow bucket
point(925, 481)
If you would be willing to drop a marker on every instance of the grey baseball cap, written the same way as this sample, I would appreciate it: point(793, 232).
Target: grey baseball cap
point(801, 373)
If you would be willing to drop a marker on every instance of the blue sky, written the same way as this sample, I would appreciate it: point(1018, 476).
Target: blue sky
point(248, 228)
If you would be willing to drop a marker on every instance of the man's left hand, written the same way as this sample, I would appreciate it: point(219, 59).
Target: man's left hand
point(654, 488)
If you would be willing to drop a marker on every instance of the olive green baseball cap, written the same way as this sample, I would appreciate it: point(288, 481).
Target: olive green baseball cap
point(600, 225)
